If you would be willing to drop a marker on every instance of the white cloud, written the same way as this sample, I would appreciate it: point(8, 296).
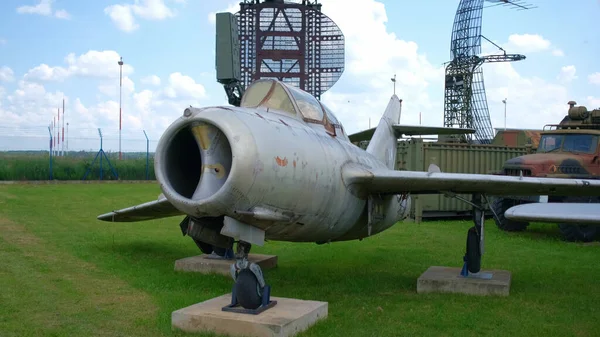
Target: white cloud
point(374, 54)
point(233, 7)
point(152, 10)
point(62, 14)
point(151, 80)
point(43, 72)
point(112, 89)
point(6, 74)
point(531, 43)
point(593, 102)
point(44, 7)
point(181, 86)
point(102, 64)
point(528, 43)
point(30, 104)
point(124, 15)
point(567, 73)
point(594, 78)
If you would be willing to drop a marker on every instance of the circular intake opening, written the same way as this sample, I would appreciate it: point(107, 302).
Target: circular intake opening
point(183, 163)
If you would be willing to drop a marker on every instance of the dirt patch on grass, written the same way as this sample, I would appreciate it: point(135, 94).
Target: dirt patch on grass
point(62, 294)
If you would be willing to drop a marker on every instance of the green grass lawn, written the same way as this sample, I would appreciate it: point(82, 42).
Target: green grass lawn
point(63, 273)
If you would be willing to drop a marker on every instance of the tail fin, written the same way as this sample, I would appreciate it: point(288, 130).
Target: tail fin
point(383, 144)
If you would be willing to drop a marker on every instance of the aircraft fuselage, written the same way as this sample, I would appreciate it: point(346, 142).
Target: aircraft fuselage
point(267, 170)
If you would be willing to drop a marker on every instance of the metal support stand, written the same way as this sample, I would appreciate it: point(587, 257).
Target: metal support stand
point(235, 306)
point(229, 255)
point(100, 154)
point(242, 263)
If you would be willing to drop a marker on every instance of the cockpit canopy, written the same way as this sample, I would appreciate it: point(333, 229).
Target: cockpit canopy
point(279, 97)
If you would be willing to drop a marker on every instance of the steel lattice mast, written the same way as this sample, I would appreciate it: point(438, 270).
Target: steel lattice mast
point(465, 102)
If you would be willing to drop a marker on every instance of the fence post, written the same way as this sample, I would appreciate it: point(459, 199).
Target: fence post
point(50, 153)
point(101, 151)
point(147, 154)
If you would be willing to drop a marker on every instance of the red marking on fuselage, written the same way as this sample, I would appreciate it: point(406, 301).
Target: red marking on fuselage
point(281, 162)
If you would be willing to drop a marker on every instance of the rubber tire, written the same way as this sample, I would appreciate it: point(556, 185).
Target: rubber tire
point(575, 233)
point(579, 233)
point(473, 251)
point(499, 206)
point(204, 247)
point(247, 290)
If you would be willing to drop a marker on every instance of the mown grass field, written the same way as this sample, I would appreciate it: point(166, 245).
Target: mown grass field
point(63, 273)
point(36, 166)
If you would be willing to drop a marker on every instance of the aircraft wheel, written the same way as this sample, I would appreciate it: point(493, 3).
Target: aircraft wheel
point(574, 233)
point(204, 247)
point(248, 290)
point(500, 205)
point(473, 251)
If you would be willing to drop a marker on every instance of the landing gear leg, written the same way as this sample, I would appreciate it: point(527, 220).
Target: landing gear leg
point(475, 240)
point(250, 292)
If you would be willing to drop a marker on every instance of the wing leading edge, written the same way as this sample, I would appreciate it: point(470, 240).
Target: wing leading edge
point(384, 181)
point(156, 209)
point(554, 212)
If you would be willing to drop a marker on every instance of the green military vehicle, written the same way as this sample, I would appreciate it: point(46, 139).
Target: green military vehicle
point(565, 150)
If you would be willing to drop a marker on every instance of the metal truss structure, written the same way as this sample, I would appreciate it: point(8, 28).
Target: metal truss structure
point(290, 41)
point(465, 102)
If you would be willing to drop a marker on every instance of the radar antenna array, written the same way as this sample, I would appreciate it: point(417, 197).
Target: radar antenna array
point(465, 102)
point(292, 41)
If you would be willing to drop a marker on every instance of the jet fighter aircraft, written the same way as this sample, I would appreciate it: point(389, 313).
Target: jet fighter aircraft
point(281, 167)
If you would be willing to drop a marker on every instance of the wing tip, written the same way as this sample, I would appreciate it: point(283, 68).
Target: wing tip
point(107, 216)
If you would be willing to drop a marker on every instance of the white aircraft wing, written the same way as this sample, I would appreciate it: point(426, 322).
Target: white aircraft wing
point(156, 209)
point(385, 181)
point(579, 213)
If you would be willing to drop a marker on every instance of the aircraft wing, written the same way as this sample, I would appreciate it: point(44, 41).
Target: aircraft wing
point(156, 209)
point(579, 213)
point(384, 181)
point(410, 130)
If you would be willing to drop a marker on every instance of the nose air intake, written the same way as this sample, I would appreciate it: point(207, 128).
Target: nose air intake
point(197, 161)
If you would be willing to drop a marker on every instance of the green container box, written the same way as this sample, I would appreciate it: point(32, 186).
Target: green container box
point(417, 154)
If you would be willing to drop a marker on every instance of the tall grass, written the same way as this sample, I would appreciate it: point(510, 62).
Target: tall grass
point(37, 167)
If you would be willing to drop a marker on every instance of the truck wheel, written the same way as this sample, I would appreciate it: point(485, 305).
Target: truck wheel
point(500, 205)
point(574, 233)
point(583, 233)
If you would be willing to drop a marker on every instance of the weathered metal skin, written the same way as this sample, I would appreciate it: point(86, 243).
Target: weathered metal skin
point(255, 180)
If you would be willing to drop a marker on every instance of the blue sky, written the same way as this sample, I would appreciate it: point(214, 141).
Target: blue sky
point(174, 41)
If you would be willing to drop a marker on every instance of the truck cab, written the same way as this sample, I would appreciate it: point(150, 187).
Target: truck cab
point(569, 149)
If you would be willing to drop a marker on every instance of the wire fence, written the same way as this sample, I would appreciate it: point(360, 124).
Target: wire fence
point(38, 153)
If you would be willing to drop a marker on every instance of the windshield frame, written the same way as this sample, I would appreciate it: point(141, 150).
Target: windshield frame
point(568, 143)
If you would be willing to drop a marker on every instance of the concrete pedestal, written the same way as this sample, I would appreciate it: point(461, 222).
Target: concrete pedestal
point(212, 263)
point(287, 318)
point(448, 280)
